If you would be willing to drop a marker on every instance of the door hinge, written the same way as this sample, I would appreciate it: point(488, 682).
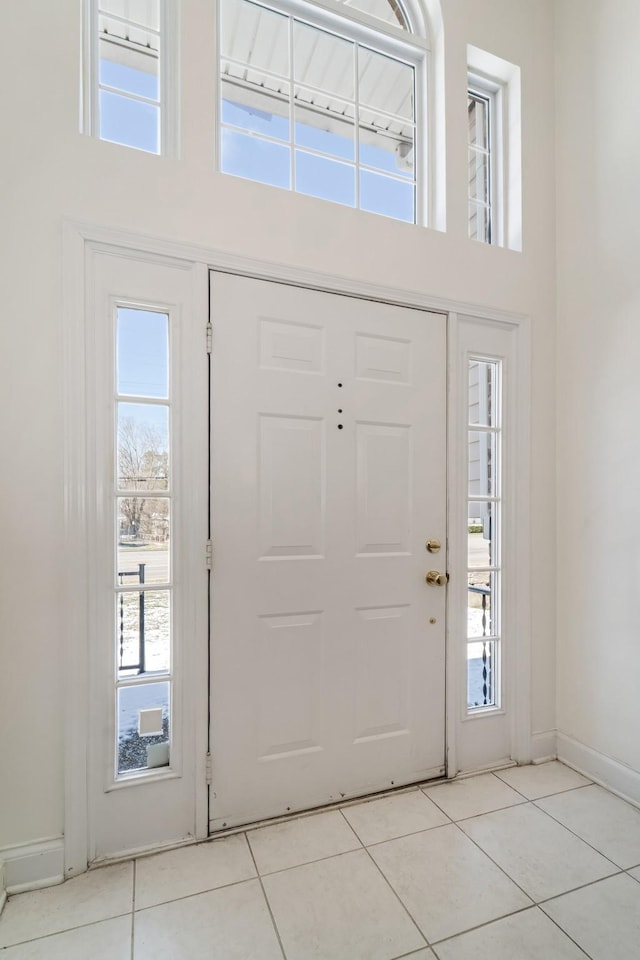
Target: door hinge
point(209, 337)
point(208, 769)
point(209, 554)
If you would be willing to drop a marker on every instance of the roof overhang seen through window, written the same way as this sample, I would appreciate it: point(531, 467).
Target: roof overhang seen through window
point(302, 104)
point(389, 11)
point(129, 32)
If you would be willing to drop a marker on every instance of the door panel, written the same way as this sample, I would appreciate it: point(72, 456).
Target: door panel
point(327, 478)
point(291, 484)
point(383, 488)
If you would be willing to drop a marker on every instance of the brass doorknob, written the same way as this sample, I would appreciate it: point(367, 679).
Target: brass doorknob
point(437, 579)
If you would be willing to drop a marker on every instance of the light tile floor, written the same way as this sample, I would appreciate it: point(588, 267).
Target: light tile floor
point(531, 863)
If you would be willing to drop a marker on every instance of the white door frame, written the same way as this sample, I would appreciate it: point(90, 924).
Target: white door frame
point(79, 239)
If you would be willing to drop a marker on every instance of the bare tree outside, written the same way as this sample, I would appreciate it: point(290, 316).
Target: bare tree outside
point(143, 467)
point(143, 558)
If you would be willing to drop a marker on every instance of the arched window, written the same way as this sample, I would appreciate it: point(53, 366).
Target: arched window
point(387, 10)
point(328, 100)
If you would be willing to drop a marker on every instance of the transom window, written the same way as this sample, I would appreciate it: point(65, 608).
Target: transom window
point(494, 150)
point(332, 115)
point(479, 108)
point(129, 93)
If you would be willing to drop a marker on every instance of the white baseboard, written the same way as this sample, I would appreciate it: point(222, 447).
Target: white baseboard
point(30, 866)
point(612, 774)
point(544, 746)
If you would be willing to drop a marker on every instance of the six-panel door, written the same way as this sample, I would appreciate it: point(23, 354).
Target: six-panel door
point(328, 477)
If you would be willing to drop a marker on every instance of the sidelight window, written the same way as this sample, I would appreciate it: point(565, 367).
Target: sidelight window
point(484, 518)
point(142, 519)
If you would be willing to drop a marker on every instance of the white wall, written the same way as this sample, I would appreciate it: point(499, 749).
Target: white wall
point(49, 171)
point(598, 156)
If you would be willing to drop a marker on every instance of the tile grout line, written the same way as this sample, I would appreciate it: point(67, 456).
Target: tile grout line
point(354, 831)
point(568, 935)
point(480, 926)
point(588, 843)
point(532, 905)
point(402, 836)
point(571, 889)
point(544, 900)
point(329, 856)
point(400, 901)
point(266, 899)
point(583, 886)
point(556, 793)
point(506, 783)
point(489, 923)
point(414, 953)
point(351, 828)
point(501, 869)
point(343, 853)
point(509, 806)
point(517, 803)
point(197, 893)
point(543, 796)
point(258, 875)
point(539, 903)
point(579, 786)
point(467, 779)
point(378, 842)
point(56, 933)
point(493, 773)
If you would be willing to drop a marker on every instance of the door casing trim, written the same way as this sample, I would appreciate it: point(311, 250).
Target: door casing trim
point(78, 239)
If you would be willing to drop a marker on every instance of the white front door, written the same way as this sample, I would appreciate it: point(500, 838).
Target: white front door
point(327, 480)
